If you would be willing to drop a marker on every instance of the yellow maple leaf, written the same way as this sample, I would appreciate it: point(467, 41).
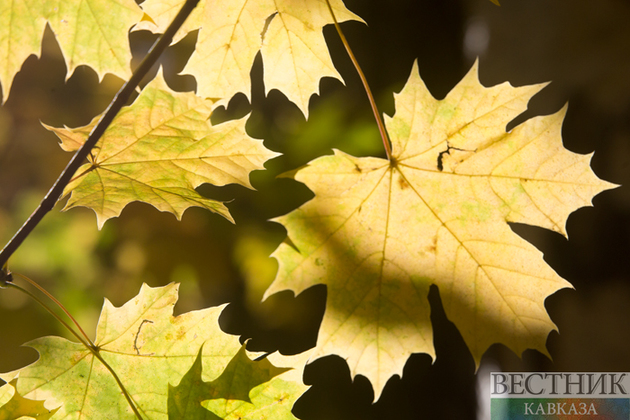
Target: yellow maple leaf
point(92, 32)
point(18, 407)
point(152, 351)
point(378, 233)
point(287, 32)
point(158, 150)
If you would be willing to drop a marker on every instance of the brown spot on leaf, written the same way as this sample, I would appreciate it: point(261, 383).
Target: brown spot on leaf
point(433, 247)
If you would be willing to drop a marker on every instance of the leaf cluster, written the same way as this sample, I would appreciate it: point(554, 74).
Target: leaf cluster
point(378, 232)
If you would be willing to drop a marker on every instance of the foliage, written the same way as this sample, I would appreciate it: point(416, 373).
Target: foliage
point(288, 33)
point(378, 233)
point(158, 150)
point(18, 406)
point(92, 32)
point(150, 349)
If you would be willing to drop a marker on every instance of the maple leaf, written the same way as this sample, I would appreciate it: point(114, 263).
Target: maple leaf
point(149, 349)
point(243, 389)
point(17, 406)
point(158, 150)
point(379, 233)
point(91, 32)
point(287, 32)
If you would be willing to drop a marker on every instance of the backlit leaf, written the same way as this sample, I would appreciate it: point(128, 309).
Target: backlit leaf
point(287, 32)
point(158, 150)
point(380, 233)
point(18, 406)
point(151, 350)
point(245, 390)
point(90, 32)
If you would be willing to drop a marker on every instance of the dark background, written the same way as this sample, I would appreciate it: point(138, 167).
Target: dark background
point(581, 46)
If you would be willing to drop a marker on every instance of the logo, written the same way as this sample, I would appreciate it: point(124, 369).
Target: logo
point(559, 395)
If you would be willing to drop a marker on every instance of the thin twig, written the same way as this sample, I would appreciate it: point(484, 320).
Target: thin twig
point(57, 317)
point(63, 308)
point(49, 201)
point(119, 101)
point(368, 91)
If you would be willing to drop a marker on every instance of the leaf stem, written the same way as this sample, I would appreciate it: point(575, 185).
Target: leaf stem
point(88, 344)
point(366, 86)
point(53, 195)
point(121, 98)
point(63, 308)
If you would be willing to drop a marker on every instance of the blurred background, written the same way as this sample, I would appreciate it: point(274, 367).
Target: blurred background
point(581, 46)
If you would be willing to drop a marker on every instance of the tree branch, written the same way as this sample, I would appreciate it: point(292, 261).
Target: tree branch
point(114, 107)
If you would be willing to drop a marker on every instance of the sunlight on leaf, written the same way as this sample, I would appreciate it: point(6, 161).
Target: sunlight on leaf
point(273, 399)
point(90, 32)
point(150, 350)
point(19, 406)
point(146, 346)
point(287, 32)
point(158, 150)
point(379, 234)
point(246, 389)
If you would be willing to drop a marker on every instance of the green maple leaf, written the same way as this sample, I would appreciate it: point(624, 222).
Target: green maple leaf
point(17, 406)
point(245, 390)
point(91, 32)
point(287, 32)
point(158, 150)
point(149, 349)
point(379, 233)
